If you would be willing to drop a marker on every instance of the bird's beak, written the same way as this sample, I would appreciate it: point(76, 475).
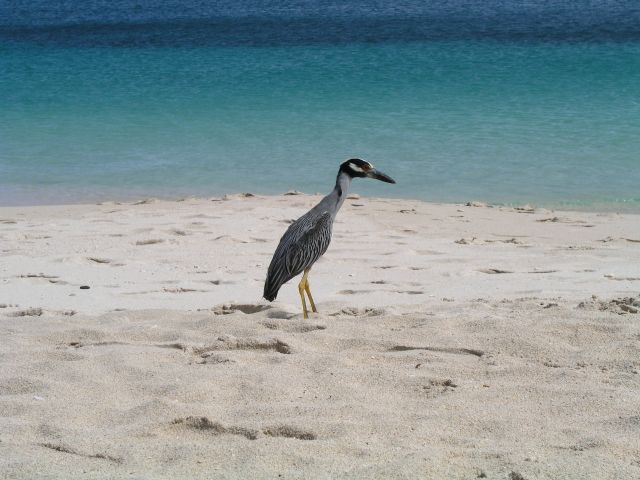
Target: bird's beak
point(378, 175)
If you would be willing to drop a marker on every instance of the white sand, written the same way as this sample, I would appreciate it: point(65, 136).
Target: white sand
point(452, 342)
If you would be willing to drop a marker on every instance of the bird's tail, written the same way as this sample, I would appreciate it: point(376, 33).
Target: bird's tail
point(276, 277)
point(270, 290)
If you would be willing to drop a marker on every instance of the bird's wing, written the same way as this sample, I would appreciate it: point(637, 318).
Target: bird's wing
point(311, 233)
point(311, 243)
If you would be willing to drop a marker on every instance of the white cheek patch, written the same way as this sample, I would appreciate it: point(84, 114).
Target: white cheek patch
point(355, 168)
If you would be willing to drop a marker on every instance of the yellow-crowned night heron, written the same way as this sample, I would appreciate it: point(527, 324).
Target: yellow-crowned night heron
point(306, 239)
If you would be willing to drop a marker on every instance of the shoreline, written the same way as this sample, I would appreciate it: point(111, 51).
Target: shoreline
point(622, 208)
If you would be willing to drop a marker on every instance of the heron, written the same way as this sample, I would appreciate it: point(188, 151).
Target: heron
point(306, 239)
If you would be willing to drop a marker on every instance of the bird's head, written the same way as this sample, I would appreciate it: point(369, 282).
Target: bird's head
point(357, 168)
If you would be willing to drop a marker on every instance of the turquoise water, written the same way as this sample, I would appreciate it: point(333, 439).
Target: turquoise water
point(102, 111)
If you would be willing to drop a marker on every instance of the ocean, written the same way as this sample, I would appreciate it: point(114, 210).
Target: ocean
point(510, 102)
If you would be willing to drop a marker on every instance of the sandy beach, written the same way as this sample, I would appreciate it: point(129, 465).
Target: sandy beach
point(452, 341)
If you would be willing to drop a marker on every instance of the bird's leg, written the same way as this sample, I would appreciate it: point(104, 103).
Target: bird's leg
point(308, 289)
point(301, 290)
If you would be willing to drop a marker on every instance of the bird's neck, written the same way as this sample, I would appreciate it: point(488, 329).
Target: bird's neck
point(343, 182)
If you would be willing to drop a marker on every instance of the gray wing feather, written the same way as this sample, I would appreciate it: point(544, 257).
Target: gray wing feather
point(303, 243)
point(310, 246)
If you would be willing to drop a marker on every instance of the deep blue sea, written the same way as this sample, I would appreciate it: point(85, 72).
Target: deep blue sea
point(501, 101)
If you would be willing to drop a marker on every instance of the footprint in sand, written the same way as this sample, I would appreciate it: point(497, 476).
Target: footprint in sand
point(622, 279)
point(41, 278)
point(512, 240)
point(358, 312)
point(110, 343)
point(203, 424)
point(243, 308)
point(101, 261)
point(143, 230)
point(429, 252)
point(181, 290)
point(150, 241)
point(352, 292)
point(38, 275)
point(439, 386)
point(211, 358)
point(65, 449)
point(573, 223)
point(29, 312)
point(202, 215)
point(453, 350)
point(493, 271)
point(215, 282)
point(281, 314)
point(229, 342)
point(465, 241)
point(288, 431)
point(302, 327)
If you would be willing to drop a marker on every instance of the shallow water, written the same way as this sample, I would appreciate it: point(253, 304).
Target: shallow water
point(467, 100)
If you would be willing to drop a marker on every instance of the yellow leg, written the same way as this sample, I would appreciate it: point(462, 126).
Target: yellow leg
point(301, 290)
point(308, 290)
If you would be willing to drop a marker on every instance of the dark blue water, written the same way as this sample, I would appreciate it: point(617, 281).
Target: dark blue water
point(509, 102)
